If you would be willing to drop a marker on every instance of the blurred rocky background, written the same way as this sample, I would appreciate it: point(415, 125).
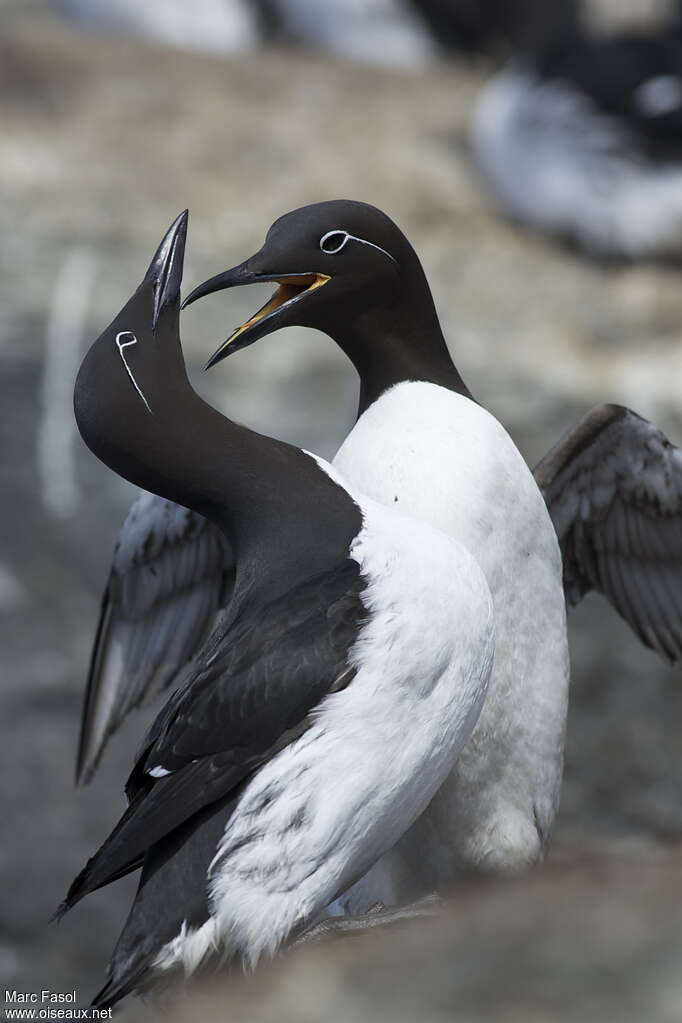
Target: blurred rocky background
point(596, 940)
point(109, 128)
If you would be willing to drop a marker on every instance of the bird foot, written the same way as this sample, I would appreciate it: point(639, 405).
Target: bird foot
point(376, 916)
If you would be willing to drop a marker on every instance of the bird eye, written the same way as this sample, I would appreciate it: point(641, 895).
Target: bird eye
point(333, 241)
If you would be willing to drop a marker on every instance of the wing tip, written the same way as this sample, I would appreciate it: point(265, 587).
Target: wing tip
point(77, 890)
point(113, 991)
point(89, 749)
point(59, 912)
point(85, 768)
point(107, 996)
point(126, 974)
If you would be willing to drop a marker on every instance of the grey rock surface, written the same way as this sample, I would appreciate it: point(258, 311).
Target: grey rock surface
point(103, 142)
point(597, 940)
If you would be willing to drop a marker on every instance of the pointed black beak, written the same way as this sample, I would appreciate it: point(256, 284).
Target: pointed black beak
point(292, 287)
point(165, 270)
point(233, 278)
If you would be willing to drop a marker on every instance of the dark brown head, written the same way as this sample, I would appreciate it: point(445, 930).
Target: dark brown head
point(329, 258)
point(344, 268)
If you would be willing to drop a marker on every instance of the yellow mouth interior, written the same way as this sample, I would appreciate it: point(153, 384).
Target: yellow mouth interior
point(289, 290)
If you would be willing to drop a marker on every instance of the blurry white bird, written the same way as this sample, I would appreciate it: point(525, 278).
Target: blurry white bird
point(582, 139)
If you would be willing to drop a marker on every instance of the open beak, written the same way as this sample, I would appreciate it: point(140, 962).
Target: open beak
point(291, 288)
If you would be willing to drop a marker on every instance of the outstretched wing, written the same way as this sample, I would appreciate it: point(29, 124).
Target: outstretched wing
point(171, 572)
point(249, 694)
point(613, 487)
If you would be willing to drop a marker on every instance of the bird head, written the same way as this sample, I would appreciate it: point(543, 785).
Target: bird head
point(136, 363)
point(331, 261)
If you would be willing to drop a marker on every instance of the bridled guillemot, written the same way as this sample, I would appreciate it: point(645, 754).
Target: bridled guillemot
point(423, 443)
point(332, 697)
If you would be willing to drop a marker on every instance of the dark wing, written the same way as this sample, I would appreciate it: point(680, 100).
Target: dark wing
point(248, 694)
point(613, 487)
point(171, 572)
point(180, 863)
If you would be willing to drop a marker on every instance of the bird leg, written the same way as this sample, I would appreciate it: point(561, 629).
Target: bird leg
point(377, 916)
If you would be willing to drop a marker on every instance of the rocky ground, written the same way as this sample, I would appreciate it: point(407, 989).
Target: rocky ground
point(103, 142)
point(596, 940)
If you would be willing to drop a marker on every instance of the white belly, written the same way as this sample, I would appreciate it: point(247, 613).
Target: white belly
point(440, 457)
point(323, 809)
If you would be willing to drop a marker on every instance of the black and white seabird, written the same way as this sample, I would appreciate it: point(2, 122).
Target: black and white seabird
point(332, 697)
point(582, 139)
point(421, 443)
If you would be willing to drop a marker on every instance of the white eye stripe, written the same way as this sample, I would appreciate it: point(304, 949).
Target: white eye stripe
point(348, 237)
point(126, 344)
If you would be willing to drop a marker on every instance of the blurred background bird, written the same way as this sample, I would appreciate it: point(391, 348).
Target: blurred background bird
point(108, 129)
point(581, 138)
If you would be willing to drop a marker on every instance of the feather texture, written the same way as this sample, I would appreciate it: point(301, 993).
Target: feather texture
point(171, 572)
point(275, 792)
point(248, 695)
point(613, 487)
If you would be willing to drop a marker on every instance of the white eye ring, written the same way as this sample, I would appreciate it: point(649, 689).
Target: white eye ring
point(330, 234)
point(348, 237)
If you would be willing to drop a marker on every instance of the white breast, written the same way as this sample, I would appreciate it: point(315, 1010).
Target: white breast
point(317, 815)
point(442, 458)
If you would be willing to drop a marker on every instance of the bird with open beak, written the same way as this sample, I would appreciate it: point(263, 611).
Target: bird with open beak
point(328, 705)
point(603, 512)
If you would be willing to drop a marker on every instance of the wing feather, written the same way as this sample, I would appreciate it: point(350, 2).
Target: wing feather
point(613, 487)
point(171, 573)
point(249, 693)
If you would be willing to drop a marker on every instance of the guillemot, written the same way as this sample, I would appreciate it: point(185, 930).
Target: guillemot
point(421, 441)
point(582, 139)
point(332, 697)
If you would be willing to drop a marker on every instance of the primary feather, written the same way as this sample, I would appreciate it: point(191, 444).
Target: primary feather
point(172, 570)
point(613, 487)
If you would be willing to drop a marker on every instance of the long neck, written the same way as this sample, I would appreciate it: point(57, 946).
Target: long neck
point(192, 455)
point(389, 344)
point(280, 511)
point(387, 350)
point(246, 483)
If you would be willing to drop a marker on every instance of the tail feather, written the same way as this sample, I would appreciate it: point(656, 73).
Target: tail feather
point(171, 901)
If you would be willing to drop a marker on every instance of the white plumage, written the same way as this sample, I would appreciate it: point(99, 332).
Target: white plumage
point(443, 459)
point(316, 816)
